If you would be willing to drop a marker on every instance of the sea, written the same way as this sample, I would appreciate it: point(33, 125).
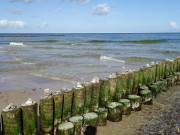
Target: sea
point(61, 60)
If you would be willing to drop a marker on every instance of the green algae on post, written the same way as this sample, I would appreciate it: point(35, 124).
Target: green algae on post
point(88, 94)
point(115, 110)
point(146, 97)
point(29, 117)
point(91, 119)
point(58, 104)
point(66, 128)
point(78, 123)
point(11, 120)
point(67, 103)
point(130, 81)
point(95, 93)
point(155, 89)
point(135, 82)
point(119, 87)
point(112, 90)
point(104, 92)
point(46, 111)
point(78, 100)
point(126, 106)
point(136, 102)
point(102, 113)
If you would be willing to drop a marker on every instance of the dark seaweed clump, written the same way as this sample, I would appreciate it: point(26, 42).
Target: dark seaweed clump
point(145, 41)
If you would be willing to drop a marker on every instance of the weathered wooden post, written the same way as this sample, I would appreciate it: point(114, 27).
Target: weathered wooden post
point(91, 119)
point(136, 102)
point(126, 106)
point(140, 78)
point(135, 83)
point(46, 111)
point(167, 68)
point(78, 101)
point(146, 97)
point(157, 71)
point(154, 88)
point(102, 113)
point(78, 123)
point(88, 95)
point(67, 103)
point(112, 91)
point(29, 117)
point(115, 110)
point(11, 120)
point(130, 81)
point(104, 92)
point(66, 128)
point(58, 104)
point(95, 93)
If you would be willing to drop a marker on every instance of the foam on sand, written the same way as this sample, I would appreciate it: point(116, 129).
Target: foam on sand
point(106, 58)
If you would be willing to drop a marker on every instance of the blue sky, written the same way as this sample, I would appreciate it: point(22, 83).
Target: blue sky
point(89, 16)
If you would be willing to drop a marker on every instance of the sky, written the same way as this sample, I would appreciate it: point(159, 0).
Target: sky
point(89, 16)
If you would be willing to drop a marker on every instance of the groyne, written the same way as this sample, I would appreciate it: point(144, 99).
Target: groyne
point(95, 102)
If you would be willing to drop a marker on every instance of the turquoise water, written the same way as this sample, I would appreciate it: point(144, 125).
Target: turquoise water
point(61, 60)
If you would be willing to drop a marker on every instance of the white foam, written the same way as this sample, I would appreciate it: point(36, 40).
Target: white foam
point(10, 107)
point(106, 58)
point(27, 63)
point(16, 44)
point(95, 80)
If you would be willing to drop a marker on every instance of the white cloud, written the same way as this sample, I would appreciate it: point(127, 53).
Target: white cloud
point(12, 24)
point(43, 25)
point(173, 25)
point(25, 1)
point(57, 11)
point(101, 9)
point(77, 1)
point(15, 11)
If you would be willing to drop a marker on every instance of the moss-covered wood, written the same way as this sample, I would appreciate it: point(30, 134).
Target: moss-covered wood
point(167, 68)
point(46, 111)
point(104, 92)
point(140, 78)
point(91, 119)
point(130, 81)
point(102, 113)
point(136, 102)
point(124, 78)
point(135, 82)
point(78, 123)
point(115, 110)
point(95, 96)
point(145, 75)
point(146, 97)
point(67, 103)
point(126, 106)
point(144, 87)
point(11, 122)
point(155, 89)
point(157, 71)
point(78, 101)
point(88, 95)
point(112, 90)
point(58, 104)
point(66, 128)
point(29, 118)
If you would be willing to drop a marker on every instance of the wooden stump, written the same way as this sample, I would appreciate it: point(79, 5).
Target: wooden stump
point(126, 106)
point(102, 113)
point(88, 94)
point(66, 128)
point(146, 97)
point(91, 119)
point(136, 102)
point(115, 110)
point(11, 120)
point(78, 123)
point(29, 117)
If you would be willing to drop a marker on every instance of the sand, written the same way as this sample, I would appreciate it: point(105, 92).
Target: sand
point(150, 119)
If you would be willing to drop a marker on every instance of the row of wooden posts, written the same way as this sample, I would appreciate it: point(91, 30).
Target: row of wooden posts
point(90, 103)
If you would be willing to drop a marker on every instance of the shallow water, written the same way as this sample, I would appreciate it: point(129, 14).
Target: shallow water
point(56, 61)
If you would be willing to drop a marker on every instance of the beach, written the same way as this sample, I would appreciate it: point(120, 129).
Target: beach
point(160, 118)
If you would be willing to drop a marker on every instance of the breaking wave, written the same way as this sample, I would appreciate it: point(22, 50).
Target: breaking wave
point(107, 58)
point(16, 44)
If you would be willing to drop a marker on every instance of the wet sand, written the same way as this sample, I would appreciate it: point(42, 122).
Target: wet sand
point(163, 117)
point(160, 118)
